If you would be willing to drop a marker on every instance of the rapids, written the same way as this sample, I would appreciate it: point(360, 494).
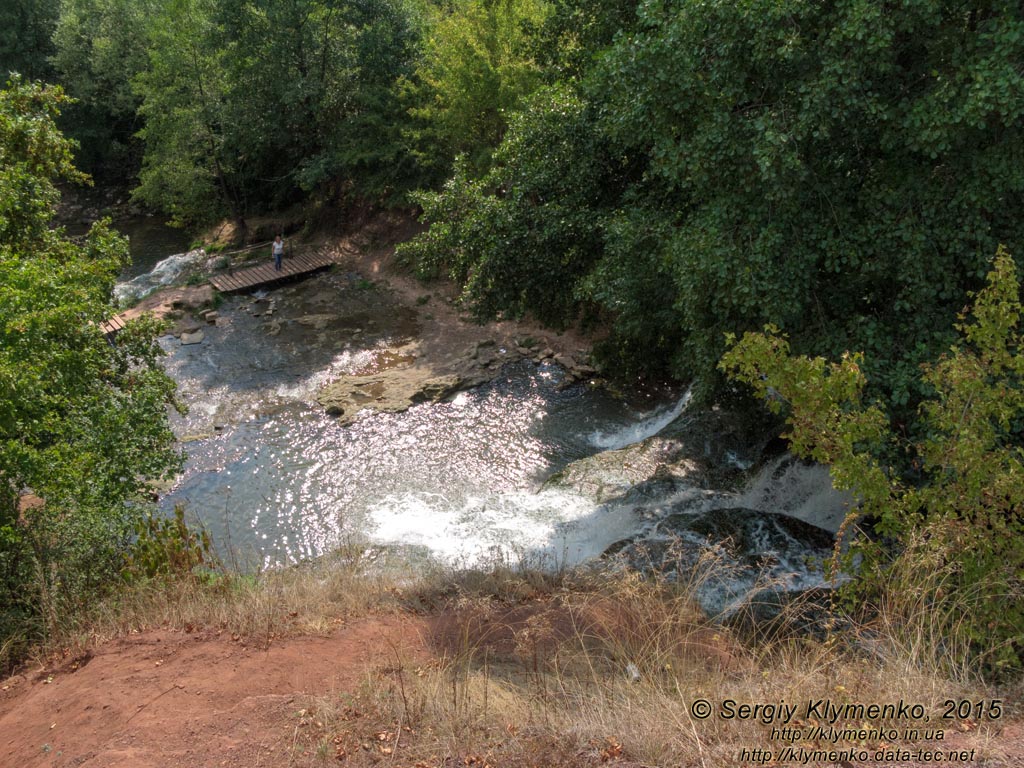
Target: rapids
point(274, 479)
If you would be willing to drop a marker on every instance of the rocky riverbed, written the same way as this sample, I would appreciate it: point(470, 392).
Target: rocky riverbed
point(362, 403)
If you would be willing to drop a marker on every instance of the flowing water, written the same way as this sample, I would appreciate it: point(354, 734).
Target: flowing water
point(159, 254)
point(460, 479)
point(275, 480)
point(150, 241)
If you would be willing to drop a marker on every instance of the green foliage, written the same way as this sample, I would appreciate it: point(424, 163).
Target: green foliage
point(82, 420)
point(188, 170)
point(26, 28)
point(252, 104)
point(167, 548)
point(842, 170)
point(476, 66)
point(574, 34)
point(968, 496)
point(101, 45)
point(518, 238)
point(366, 146)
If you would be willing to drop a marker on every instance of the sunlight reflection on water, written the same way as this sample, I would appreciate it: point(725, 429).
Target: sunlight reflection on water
point(458, 478)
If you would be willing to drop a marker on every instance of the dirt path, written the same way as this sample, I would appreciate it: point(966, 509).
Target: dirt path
point(173, 699)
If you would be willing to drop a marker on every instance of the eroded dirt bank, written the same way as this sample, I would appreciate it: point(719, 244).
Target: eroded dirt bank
point(165, 698)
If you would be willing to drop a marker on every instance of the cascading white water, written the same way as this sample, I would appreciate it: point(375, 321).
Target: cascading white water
point(788, 486)
point(163, 274)
point(646, 425)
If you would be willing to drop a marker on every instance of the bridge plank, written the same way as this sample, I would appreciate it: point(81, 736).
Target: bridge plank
point(265, 274)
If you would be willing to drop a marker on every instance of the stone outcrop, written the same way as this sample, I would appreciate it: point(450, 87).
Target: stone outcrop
point(417, 381)
point(389, 391)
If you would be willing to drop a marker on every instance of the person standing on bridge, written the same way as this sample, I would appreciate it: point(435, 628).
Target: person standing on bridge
point(278, 250)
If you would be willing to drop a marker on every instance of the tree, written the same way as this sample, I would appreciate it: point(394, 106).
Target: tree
point(312, 94)
point(842, 170)
point(26, 30)
point(476, 67)
point(542, 196)
point(252, 104)
point(101, 45)
point(82, 419)
point(965, 498)
point(189, 170)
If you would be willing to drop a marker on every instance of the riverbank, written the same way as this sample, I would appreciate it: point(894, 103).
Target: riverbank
point(431, 350)
point(347, 662)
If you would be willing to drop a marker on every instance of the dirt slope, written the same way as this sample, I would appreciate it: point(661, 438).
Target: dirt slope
point(165, 698)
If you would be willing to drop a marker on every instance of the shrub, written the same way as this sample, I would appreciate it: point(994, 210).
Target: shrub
point(965, 495)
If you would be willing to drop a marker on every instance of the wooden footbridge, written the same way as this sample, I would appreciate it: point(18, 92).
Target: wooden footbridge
point(238, 280)
point(112, 326)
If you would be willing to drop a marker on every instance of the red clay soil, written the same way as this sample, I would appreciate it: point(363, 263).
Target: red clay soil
point(163, 699)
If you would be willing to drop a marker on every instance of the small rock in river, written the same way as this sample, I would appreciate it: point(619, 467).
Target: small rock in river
point(193, 338)
point(566, 361)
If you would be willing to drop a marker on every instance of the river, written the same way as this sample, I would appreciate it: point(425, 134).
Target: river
point(480, 476)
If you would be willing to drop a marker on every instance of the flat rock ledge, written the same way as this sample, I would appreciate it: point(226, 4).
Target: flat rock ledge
point(397, 389)
point(390, 391)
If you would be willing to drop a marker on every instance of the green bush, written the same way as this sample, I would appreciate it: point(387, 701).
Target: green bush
point(167, 547)
point(83, 419)
point(964, 497)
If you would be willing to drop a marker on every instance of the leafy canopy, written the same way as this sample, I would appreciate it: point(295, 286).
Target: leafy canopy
point(252, 104)
point(843, 170)
point(496, 235)
point(100, 46)
point(477, 65)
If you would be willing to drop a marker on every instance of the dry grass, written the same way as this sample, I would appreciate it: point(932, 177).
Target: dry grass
point(598, 667)
point(309, 598)
point(566, 669)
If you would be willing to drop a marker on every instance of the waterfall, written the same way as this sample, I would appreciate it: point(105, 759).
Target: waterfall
point(164, 273)
point(646, 426)
point(791, 487)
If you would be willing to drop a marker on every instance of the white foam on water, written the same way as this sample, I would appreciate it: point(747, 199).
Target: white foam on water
point(733, 459)
point(646, 426)
point(305, 387)
point(516, 524)
point(164, 273)
point(804, 491)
